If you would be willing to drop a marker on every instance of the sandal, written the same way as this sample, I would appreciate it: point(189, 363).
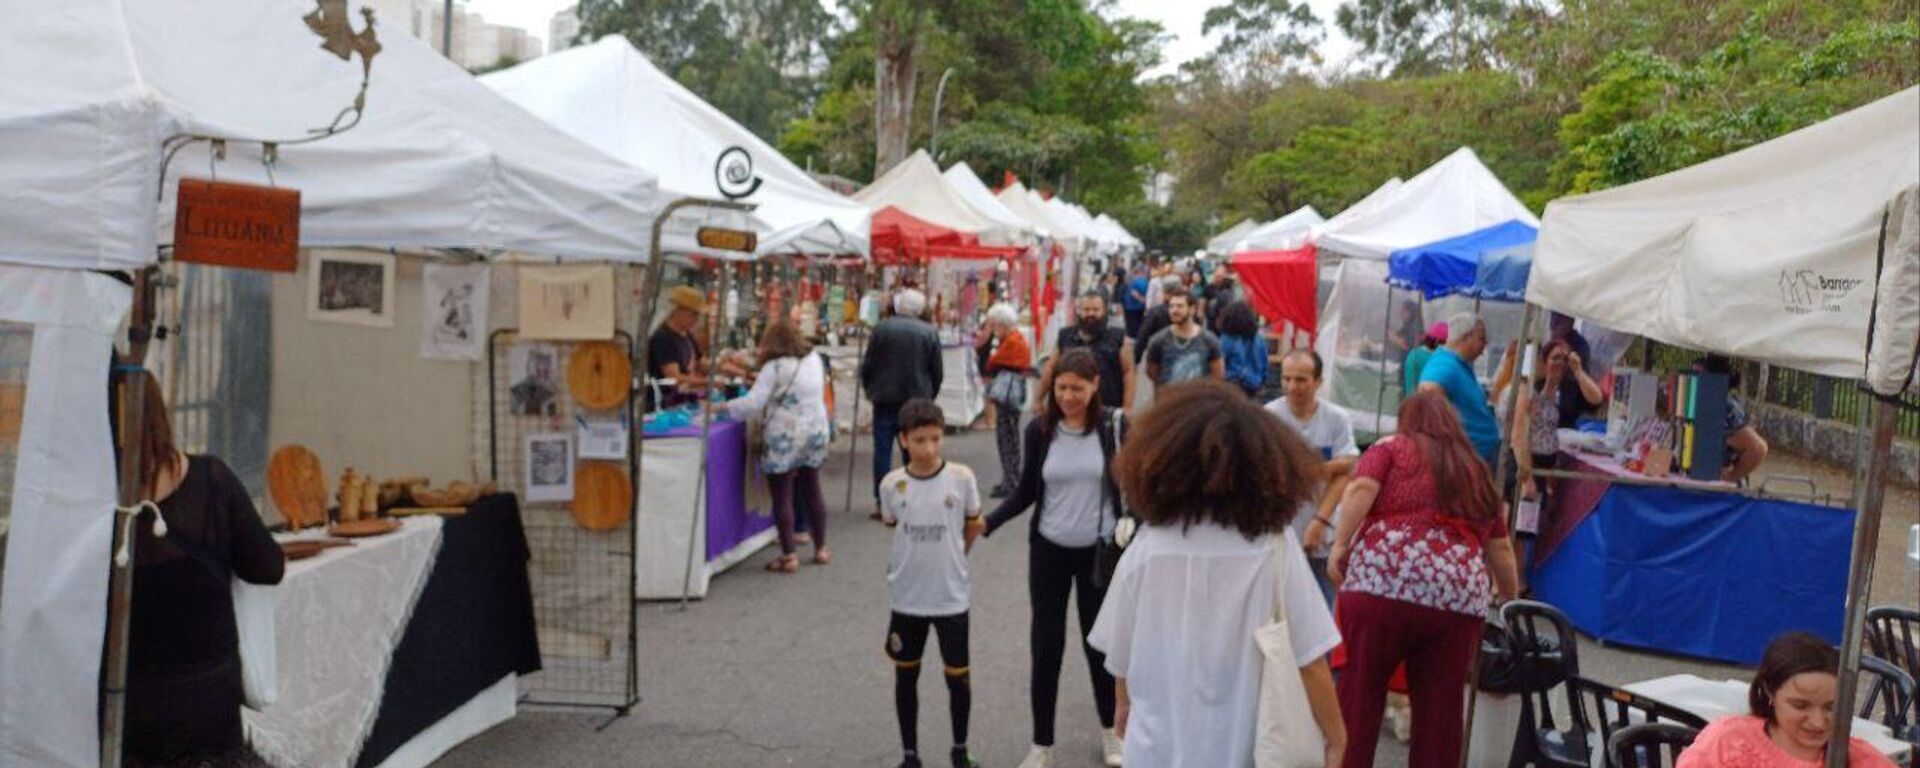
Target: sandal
point(784, 564)
point(823, 556)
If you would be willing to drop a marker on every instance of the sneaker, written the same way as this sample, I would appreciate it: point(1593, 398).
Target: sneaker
point(912, 761)
point(964, 759)
point(1038, 757)
point(1111, 747)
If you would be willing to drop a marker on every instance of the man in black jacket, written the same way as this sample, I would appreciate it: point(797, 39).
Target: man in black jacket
point(902, 363)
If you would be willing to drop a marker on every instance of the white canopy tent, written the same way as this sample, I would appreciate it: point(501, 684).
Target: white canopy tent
point(88, 94)
point(1452, 197)
point(1222, 244)
point(916, 187)
point(1802, 252)
point(1767, 254)
point(1016, 200)
point(1282, 234)
point(609, 96)
point(976, 193)
point(1030, 204)
point(1119, 233)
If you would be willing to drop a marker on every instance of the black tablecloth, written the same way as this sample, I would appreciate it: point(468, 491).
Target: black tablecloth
point(472, 626)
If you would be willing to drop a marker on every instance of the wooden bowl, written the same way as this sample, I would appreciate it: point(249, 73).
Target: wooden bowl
point(599, 375)
point(602, 496)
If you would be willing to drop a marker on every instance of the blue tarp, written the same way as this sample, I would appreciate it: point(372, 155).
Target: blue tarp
point(1708, 575)
point(1489, 263)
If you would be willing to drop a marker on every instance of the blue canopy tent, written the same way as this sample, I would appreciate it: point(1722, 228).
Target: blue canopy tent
point(1490, 263)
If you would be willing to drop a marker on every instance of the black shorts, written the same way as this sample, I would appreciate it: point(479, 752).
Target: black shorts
point(907, 639)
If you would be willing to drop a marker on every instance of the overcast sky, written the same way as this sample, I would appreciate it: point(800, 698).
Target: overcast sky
point(1180, 17)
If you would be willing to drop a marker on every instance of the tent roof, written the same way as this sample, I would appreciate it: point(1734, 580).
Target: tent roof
point(1119, 232)
point(1364, 207)
point(1020, 203)
point(1490, 263)
point(436, 161)
point(610, 96)
point(1287, 232)
point(976, 193)
point(1453, 196)
point(902, 238)
point(916, 187)
point(1223, 242)
point(1769, 253)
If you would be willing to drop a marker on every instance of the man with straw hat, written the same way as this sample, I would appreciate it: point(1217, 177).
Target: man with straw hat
point(672, 352)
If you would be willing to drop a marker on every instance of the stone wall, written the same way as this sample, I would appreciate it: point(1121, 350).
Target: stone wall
point(1828, 441)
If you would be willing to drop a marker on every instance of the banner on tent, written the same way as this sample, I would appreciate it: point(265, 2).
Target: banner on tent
point(237, 225)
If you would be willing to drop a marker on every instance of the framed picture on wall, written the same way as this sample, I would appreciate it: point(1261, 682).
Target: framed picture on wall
point(354, 288)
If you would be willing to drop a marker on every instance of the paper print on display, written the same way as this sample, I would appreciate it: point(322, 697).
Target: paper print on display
point(566, 303)
point(603, 439)
point(354, 288)
point(534, 369)
point(453, 316)
point(549, 467)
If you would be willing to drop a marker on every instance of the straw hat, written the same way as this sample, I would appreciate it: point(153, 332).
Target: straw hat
point(688, 298)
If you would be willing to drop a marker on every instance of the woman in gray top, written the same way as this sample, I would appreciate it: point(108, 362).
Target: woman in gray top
point(1068, 480)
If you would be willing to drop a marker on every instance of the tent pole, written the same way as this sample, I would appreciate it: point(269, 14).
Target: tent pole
point(1866, 545)
point(132, 400)
point(1380, 397)
point(715, 321)
point(859, 357)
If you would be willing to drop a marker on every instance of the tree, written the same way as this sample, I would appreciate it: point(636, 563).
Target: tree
point(1425, 36)
point(896, 26)
point(755, 60)
point(1264, 39)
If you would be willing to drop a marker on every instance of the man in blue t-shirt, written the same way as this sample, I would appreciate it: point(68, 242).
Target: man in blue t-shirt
point(1134, 304)
point(1450, 372)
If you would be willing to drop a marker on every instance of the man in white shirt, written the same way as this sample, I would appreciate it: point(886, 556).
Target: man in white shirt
point(1327, 428)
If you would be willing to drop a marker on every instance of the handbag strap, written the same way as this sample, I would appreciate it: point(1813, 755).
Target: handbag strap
point(1279, 557)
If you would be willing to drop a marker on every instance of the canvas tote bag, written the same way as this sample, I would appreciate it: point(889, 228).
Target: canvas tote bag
point(1286, 734)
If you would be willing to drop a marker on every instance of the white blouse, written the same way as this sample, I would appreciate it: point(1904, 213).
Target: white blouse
point(1178, 626)
point(797, 432)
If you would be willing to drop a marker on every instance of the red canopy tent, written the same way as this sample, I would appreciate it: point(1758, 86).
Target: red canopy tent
point(899, 237)
point(1281, 285)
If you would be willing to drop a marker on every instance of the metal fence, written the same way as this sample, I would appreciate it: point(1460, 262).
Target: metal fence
point(1823, 397)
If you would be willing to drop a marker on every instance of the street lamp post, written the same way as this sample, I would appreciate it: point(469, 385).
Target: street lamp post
point(446, 31)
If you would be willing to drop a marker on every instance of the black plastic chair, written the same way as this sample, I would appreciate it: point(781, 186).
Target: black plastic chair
point(1893, 634)
point(1546, 652)
point(1649, 745)
point(1887, 697)
point(1602, 709)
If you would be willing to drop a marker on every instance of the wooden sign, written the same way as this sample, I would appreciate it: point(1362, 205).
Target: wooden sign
point(237, 225)
point(727, 239)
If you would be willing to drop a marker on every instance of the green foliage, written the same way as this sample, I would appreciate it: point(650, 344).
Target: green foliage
point(755, 60)
point(1163, 229)
point(1556, 98)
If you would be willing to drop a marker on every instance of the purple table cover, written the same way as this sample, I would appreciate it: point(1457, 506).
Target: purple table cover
point(729, 522)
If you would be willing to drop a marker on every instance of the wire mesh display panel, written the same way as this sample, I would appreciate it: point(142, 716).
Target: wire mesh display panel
point(583, 581)
point(16, 351)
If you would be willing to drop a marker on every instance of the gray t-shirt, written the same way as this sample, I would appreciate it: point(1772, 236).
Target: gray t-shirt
point(928, 567)
point(1330, 432)
point(1182, 359)
point(1071, 515)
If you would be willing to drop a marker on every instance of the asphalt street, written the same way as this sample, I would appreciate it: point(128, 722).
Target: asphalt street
point(787, 670)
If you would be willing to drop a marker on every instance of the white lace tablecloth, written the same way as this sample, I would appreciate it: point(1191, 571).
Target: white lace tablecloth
point(337, 619)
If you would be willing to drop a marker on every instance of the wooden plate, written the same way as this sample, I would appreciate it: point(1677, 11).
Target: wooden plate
point(602, 496)
point(297, 486)
point(305, 548)
point(372, 526)
point(599, 375)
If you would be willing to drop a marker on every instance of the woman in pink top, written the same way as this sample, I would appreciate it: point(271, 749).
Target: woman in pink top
point(1792, 722)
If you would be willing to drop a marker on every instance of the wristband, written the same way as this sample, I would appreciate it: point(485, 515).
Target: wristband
point(1324, 521)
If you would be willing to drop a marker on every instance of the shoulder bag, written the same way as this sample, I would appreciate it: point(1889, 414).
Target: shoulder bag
point(757, 427)
point(1286, 734)
point(1108, 548)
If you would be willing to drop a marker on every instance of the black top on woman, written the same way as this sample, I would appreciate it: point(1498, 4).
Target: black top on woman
point(183, 654)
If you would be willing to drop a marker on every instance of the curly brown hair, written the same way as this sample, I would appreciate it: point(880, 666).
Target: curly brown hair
point(783, 339)
point(1204, 453)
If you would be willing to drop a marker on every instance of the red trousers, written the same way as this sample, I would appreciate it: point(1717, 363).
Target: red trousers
point(1436, 646)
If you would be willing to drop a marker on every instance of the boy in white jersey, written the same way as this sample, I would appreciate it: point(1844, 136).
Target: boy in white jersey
point(934, 507)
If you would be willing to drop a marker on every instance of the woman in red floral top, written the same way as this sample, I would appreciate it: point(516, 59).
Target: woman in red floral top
point(1419, 529)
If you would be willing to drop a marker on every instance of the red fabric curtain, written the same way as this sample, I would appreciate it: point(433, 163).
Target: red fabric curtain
point(1281, 285)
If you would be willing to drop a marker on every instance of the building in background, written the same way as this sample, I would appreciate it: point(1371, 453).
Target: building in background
point(563, 31)
point(476, 44)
